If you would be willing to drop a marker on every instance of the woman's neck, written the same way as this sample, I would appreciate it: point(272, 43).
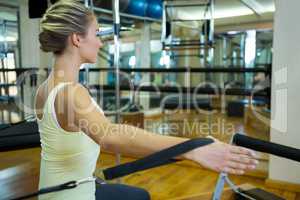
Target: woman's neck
point(66, 68)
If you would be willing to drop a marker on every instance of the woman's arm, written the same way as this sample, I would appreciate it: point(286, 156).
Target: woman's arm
point(137, 142)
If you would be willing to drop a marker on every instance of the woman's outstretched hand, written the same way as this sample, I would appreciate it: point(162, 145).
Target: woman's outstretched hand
point(222, 157)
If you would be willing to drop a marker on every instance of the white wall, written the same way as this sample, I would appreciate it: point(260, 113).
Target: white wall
point(143, 55)
point(31, 55)
point(285, 89)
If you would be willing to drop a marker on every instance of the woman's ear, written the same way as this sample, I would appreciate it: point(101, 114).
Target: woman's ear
point(75, 39)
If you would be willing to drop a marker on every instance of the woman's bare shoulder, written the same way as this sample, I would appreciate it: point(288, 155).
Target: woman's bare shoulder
point(41, 92)
point(40, 98)
point(70, 100)
point(76, 94)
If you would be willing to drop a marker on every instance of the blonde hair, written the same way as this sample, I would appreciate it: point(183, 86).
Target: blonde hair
point(61, 20)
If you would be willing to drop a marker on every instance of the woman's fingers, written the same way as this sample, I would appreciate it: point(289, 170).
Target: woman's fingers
point(223, 157)
point(244, 151)
point(230, 170)
point(237, 168)
point(240, 166)
point(242, 158)
point(245, 159)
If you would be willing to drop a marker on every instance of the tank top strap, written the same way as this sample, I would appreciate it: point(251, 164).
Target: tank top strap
point(49, 107)
point(51, 100)
point(55, 90)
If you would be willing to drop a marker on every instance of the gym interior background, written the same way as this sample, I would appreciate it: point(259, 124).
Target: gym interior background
point(187, 68)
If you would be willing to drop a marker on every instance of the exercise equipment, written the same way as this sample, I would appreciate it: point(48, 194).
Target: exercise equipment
point(138, 7)
point(257, 145)
point(167, 156)
point(6, 50)
point(154, 9)
point(116, 17)
point(19, 135)
point(177, 102)
point(163, 157)
point(107, 91)
point(235, 108)
point(149, 10)
point(181, 90)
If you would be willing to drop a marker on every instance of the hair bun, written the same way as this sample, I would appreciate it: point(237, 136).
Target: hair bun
point(50, 43)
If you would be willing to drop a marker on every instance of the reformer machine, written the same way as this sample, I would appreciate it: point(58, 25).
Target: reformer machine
point(167, 156)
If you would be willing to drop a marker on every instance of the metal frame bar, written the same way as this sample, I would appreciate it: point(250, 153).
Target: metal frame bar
point(172, 48)
point(163, 23)
point(182, 0)
point(192, 70)
point(186, 5)
point(215, 69)
point(187, 44)
point(210, 38)
point(9, 6)
point(184, 55)
point(186, 20)
point(251, 7)
point(191, 90)
point(116, 16)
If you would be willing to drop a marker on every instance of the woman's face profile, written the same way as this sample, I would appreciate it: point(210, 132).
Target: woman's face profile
point(90, 44)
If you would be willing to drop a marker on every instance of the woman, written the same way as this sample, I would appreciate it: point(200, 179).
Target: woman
point(73, 127)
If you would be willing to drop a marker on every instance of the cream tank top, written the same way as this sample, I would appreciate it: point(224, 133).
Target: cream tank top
point(65, 156)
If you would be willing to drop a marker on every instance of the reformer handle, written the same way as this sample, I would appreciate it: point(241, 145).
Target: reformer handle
point(267, 147)
point(163, 157)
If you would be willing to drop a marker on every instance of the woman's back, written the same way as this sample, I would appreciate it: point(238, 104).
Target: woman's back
point(65, 155)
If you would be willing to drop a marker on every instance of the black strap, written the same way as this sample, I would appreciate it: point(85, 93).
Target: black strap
point(163, 157)
point(64, 186)
point(154, 160)
point(267, 147)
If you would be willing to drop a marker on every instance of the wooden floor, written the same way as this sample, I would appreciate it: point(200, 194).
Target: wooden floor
point(19, 174)
point(19, 171)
